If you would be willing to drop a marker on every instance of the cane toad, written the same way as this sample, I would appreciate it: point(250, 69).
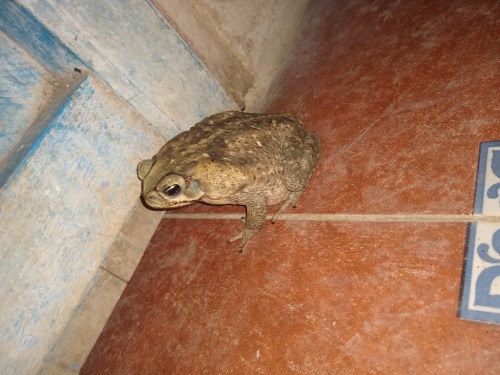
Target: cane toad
point(254, 160)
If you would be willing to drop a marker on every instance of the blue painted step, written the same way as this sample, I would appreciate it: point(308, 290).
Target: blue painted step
point(35, 70)
point(67, 170)
point(59, 214)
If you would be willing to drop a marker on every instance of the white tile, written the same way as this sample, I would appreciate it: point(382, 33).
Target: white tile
point(481, 286)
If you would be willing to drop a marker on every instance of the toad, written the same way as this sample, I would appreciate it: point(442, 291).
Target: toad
point(254, 160)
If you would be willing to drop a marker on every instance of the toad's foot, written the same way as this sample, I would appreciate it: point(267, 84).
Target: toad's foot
point(244, 236)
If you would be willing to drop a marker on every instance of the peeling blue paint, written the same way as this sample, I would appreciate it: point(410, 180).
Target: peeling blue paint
point(141, 57)
point(20, 79)
point(33, 60)
point(70, 181)
point(39, 42)
point(16, 162)
point(50, 255)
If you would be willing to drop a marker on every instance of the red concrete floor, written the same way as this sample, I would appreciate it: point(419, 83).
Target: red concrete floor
point(401, 94)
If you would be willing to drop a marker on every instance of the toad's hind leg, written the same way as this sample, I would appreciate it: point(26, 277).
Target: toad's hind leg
point(300, 157)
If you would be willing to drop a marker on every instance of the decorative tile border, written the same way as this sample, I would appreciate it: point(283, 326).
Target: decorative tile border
point(481, 283)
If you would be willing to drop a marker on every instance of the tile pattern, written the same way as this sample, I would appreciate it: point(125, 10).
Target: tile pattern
point(401, 94)
point(481, 294)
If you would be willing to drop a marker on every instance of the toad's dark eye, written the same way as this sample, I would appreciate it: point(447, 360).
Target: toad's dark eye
point(172, 190)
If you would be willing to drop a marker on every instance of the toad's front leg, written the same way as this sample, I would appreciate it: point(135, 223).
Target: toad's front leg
point(256, 208)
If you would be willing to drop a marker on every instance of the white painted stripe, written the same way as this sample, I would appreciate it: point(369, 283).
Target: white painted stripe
point(423, 218)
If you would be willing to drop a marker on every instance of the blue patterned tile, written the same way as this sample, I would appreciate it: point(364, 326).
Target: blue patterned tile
point(481, 286)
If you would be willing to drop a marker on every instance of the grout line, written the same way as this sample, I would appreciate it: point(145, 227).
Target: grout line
point(422, 218)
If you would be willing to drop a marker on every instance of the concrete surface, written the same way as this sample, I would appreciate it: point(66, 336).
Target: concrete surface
point(79, 335)
point(82, 330)
point(131, 47)
point(242, 42)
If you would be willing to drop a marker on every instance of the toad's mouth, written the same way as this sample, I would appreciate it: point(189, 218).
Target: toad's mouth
point(154, 199)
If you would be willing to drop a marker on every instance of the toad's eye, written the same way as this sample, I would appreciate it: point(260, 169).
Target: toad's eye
point(172, 190)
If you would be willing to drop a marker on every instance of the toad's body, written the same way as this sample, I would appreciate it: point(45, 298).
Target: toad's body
point(255, 160)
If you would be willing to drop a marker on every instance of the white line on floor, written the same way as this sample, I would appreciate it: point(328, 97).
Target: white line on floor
point(348, 217)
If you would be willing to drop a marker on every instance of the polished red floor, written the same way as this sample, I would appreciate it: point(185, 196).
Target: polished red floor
point(401, 94)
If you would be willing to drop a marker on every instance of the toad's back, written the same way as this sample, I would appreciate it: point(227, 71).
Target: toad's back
point(255, 142)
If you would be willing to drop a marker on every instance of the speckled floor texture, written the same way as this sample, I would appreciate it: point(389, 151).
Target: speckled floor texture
point(401, 94)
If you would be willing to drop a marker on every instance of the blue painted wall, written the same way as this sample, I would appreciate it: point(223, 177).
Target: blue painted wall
point(36, 67)
point(69, 189)
point(132, 48)
point(30, 34)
